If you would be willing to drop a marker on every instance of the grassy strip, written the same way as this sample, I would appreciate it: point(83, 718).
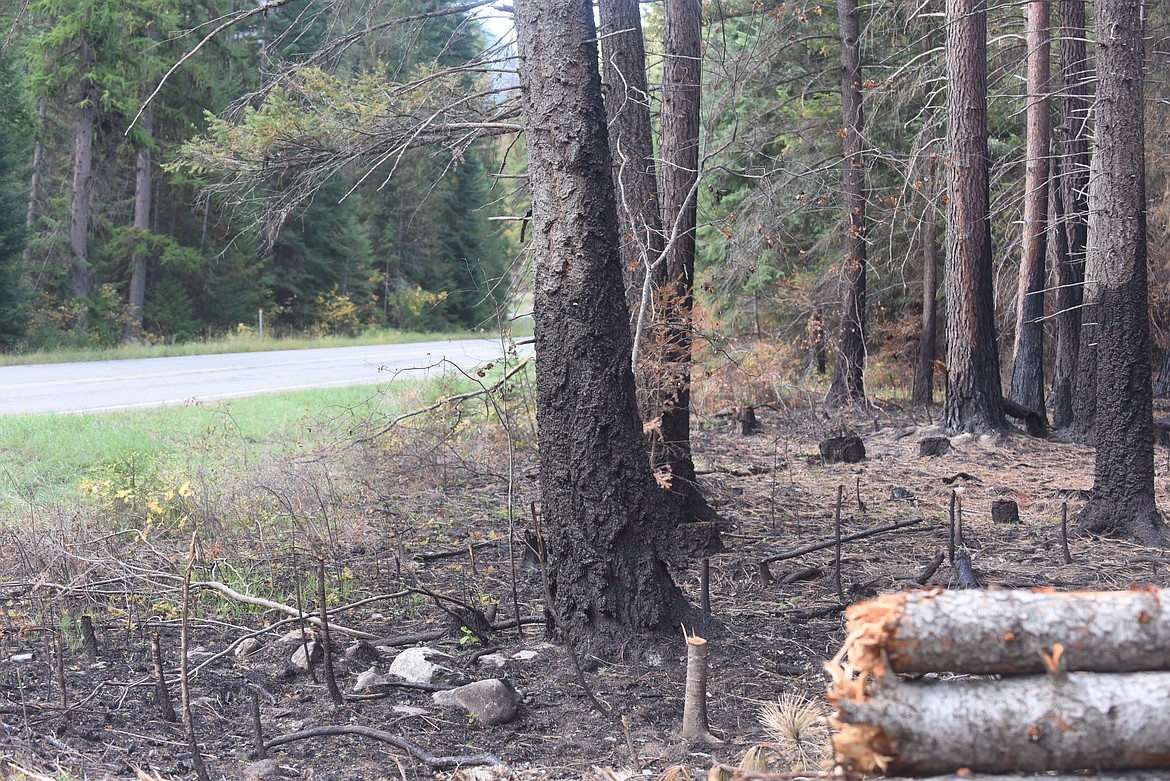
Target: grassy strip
point(247, 342)
point(45, 459)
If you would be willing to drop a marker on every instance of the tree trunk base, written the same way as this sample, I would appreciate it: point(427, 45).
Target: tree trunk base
point(1136, 518)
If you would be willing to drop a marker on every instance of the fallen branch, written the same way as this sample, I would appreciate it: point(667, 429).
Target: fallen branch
point(890, 527)
point(230, 593)
point(435, 634)
point(443, 402)
point(429, 759)
point(1003, 632)
point(1059, 722)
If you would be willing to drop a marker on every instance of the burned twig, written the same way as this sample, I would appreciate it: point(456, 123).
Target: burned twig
point(889, 527)
point(427, 758)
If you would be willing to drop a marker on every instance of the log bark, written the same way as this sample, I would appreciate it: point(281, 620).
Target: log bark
point(1004, 632)
point(1035, 723)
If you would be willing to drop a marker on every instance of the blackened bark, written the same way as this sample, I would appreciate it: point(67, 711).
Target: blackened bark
point(1074, 389)
point(681, 82)
point(973, 398)
point(1122, 502)
point(631, 143)
point(927, 338)
point(1028, 352)
point(847, 385)
point(604, 524)
point(86, 113)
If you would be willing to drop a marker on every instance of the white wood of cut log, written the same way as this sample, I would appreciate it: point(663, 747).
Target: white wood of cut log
point(1006, 632)
point(1028, 724)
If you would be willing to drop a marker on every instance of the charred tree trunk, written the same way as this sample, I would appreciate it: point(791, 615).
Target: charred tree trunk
point(1122, 502)
point(973, 398)
point(1071, 218)
point(1028, 353)
point(847, 385)
point(83, 129)
point(631, 143)
point(681, 82)
point(605, 526)
point(927, 337)
point(142, 202)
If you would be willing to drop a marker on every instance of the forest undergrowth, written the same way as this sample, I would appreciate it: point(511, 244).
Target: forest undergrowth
point(422, 535)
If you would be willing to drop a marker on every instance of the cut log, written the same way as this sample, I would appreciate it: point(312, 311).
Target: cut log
point(1004, 632)
point(1029, 724)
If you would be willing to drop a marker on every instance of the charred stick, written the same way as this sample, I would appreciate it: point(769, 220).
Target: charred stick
point(837, 541)
point(326, 644)
point(429, 759)
point(161, 693)
point(184, 681)
point(1064, 532)
point(927, 572)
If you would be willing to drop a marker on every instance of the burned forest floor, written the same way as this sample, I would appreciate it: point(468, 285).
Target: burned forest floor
point(411, 533)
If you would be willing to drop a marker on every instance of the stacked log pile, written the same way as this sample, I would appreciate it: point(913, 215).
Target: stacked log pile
point(936, 681)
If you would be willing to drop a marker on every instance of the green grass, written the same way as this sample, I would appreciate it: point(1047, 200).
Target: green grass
point(45, 458)
point(245, 343)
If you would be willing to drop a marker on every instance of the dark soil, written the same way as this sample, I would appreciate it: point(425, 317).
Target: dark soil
point(771, 488)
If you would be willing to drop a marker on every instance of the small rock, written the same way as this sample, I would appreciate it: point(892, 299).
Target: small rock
point(900, 493)
point(303, 655)
point(426, 665)
point(199, 653)
point(369, 679)
point(494, 660)
point(525, 656)
point(264, 770)
point(248, 646)
point(490, 702)
point(410, 710)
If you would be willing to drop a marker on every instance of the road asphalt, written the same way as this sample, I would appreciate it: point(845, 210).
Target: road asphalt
point(151, 382)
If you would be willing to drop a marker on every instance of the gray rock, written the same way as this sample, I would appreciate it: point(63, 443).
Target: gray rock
point(248, 646)
point(301, 657)
point(264, 770)
point(369, 679)
point(493, 660)
point(426, 665)
point(410, 710)
point(490, 702)
point(525, 656)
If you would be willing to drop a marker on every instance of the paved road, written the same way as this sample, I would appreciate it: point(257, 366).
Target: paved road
point(150, 382)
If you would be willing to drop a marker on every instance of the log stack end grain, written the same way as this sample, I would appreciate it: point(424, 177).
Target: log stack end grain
point(1047, 713)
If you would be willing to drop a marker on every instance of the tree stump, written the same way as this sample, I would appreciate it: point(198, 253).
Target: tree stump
point(848, 449)
point(746, 418)
point(934, 446)
point(1005, 511)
